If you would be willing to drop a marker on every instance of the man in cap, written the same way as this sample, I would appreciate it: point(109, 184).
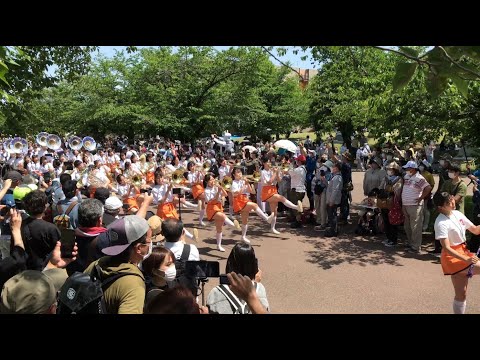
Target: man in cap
point(32, 292)
point(310, 165)
point(130, 244)
point(346, 172)
point(375, 177)
point(415, 190)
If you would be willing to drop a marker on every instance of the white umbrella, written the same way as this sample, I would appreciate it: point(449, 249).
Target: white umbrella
point(286, 144)
point(249, 148)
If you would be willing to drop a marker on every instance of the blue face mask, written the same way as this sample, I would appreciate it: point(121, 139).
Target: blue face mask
point(392, 177)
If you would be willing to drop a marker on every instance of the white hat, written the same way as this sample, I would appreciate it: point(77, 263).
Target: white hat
point(113, 203)
point(411, 165)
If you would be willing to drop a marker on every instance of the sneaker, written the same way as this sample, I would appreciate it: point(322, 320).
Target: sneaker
point(411, 250)
point(275, 231)
point(435, 251)
point(195, 235)
point(300, 206)
point(320, 227)
point(390, 244)
point(270, 218)
point(384, 242)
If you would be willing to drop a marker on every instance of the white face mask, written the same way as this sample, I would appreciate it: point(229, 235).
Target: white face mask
point(390, 173)
point(150, 248)
point(451, 175)
point(442, 162)
point(389, 157)
point(170, 273)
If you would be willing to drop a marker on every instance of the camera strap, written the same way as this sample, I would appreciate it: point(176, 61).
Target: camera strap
point(237, 306)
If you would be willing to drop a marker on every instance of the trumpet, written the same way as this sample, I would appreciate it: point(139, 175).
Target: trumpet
point(135, 180)
point(177, 177)
point(226, 183)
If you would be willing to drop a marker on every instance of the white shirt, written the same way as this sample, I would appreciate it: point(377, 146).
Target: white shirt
point(266, 176)
point(452, 227)
point(223, 171)
point(298, 176)
point(194, 177)
point(238, 185)
point(158, 192)
point(177, 249)
point(412, 189)
point(210, 193)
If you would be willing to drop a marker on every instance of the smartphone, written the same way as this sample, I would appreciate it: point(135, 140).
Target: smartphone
point(224, 280)
point(68, 242)
point(202, 269)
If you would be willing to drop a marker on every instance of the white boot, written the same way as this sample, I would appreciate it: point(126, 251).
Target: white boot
point(261, 214)
point(195, 235)
point(189, 205)
point(233, 223)
point(244, 234)
point(201, 216)
point(274, 221)
point(219, 242)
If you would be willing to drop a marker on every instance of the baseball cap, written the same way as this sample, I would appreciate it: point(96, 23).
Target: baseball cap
point(14, 176)
point(125, 231)
point(112, 203)
point(21, 191)
point(301, 158)
point(32, 291)
point(313, 152)
point(411, 165)
point(393, 165)
point(328, 164)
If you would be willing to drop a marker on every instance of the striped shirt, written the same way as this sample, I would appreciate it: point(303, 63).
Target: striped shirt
point(412, 190)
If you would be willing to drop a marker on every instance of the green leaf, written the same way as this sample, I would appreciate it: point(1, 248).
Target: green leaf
point(436, 84)
point(408, 51)
point(404, 73)
point(461, 84)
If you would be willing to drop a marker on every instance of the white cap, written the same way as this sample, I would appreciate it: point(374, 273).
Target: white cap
point(113, 203)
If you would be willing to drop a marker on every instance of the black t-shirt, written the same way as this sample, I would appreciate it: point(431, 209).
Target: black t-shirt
point(108, 219)
point(40, 238)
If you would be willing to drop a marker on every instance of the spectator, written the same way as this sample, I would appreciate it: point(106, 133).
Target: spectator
point(70, 204)
point(172, 230)
point(242, 260)
point(159, 270)
point(38, 235)
point(177, 300)
point(102, 194)
point(112, 207)
point(130, 245)
point(333, 198)
point(375, 177)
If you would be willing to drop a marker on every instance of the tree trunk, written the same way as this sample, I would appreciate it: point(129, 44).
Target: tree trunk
point(287, 135)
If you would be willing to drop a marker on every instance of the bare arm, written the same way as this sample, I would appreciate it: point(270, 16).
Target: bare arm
point(6, 185)
point(147, 200)
point(446, 245)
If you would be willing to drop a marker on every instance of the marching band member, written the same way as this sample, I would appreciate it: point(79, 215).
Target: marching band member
point(240, 191)
point(166, 203)
point(195, 178)
point(225, 170)
point(269, 192)
point(150, 167)
point(129, 193)
point(213, 192)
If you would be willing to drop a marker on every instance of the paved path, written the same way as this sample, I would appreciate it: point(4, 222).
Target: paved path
point(304, 272)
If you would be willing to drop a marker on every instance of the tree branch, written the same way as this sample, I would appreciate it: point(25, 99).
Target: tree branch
point(281, 62)
point(457, 64)
point(417, 59)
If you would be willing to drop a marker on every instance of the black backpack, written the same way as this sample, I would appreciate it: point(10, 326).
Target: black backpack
point(181, 277)
point(83, 293)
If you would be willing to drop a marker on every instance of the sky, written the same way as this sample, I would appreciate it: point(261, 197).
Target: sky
point(295, 60)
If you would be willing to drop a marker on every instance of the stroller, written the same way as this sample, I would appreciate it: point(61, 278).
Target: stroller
point(370, 217)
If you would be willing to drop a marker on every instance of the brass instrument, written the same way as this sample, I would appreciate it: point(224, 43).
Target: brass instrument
point(42, 139)
point(75, 143)
point(80, 183)
point(206, 166)
point(135, 180)
point(54, 142)
point(255, 177)
point(226, 183)
point(177, 177)
point(89, 143)
point(18, 145)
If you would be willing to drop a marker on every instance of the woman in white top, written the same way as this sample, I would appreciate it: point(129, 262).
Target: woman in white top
point(213, 194)
point(269, 192)
point(240, 191)
point(225, 170)
point(456, 260)
point(167, 202)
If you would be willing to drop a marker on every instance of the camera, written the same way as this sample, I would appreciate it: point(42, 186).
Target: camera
point(202, 269)
point(149, 191)
point(177, 191)
point(224, 280)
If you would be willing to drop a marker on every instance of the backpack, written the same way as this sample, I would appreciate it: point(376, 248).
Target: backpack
point(83, 293)
point(238, 306)
point(181, 277)
point(63, 221)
